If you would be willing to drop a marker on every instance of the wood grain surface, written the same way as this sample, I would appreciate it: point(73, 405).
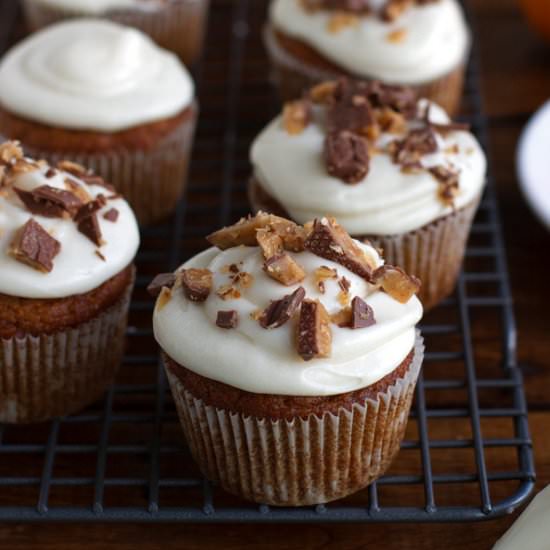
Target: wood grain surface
point(516, 80)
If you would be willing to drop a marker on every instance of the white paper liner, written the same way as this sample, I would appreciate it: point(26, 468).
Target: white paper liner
point(43, 377)
point(302, 461)
point(292, 77)
point(178, 25)
point(151, 180)
point(433, 253)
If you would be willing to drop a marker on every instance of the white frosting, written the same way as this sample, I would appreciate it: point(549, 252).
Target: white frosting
point(531, 531)
point(93, 75)
point(266, 361)
point(97, 7)
point(387, 201)
point(77, 268)
point(436, 40)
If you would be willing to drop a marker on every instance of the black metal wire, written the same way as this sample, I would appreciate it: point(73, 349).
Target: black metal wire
point(216, 197)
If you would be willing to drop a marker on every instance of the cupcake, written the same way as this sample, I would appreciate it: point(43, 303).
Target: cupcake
point(302, 393)
point(394, 170)
point(67, 243)
point(419, 43)
point(176, 25)
point(104, 96)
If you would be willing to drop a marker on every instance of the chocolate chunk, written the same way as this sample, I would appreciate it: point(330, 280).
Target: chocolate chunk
point(314, 338)
point(396, 283)
point(362, 315)
point(284, 269)
point(330, 241)
point(111, 215)
point(163, 280)
point(196, 283)
point(346, 156)
point(89, 227)
point(399, 98)
point(227, 319)
point(50, 173)
point(34, 246)
point(49, 202)
point(90, 208)
point(414, 146)
point(280, 311)
point(350, 112)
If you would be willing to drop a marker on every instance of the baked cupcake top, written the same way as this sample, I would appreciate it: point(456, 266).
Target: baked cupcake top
point(89, 74)
point(63, 231)
point(102, 6)
point(398, 41)
point(371, 155)
point(282, 309)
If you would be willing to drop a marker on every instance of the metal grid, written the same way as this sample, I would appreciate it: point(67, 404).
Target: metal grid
point(467, 453)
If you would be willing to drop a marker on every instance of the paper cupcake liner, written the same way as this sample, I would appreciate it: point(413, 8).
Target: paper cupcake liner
point(151, 180)
point(301, 461)
point(433, 253)
point(43, 377)
point(292, 76)
point(178, 25)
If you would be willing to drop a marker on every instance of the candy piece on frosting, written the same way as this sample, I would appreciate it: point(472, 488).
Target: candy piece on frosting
point(284, 269)
point(196, 283)
point(329, 240)
point(346, 156)
point(314, 339)
point(280, 311)
point(163, 280)
point(241, 233)
point(227, 319)
point(49, 202)
point(111, 215)
point(351, 112)
point(35, 247)
point(270, 243)
point(296, 116)
point(362, 315)
point(396, 282)
point(449, 183)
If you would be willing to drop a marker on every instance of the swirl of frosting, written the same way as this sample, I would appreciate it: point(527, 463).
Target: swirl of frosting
point(80, 265)
point(257, 360)
point(434, 40)
point(386, 201)
point(102, 6)
point(93, 75)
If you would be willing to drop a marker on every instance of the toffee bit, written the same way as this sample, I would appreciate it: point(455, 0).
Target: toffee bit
point(330, 241)
point(323, 93)
point(100, 255)
point(340, 21)
point(314, 335)
point(414, 146)
point(448, 183)
point(395, 282)
point(10, 152)
point(228, 292)
point(362, 314)
point(227, 319)
point(196, 283)
point(34, 246)
point(342, 318)
point(344, 284)
point(243, 279)
point(296, 116)
point(270, 243)
point(284, 269)
point(163, 280)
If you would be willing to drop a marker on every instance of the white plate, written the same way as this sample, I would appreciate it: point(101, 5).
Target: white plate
point(533, 163)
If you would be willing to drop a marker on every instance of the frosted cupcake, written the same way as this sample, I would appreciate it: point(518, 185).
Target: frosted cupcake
point(394, 171)
point(67, 244)
point(106, 97)
point(303, 392)
point(420, 43)
point(177, 25)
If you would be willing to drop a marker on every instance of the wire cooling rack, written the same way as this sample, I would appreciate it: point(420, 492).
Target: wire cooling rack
point(467, 453)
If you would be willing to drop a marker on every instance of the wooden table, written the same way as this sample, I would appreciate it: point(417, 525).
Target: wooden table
point(516, 81)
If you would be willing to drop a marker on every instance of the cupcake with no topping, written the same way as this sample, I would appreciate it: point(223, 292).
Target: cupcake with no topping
point(67, 243)
point(177, 25)
point(419, 43)
point(394, 170)
point(104, 96)
point(303, 392)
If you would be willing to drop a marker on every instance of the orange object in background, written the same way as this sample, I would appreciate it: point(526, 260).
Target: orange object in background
point(538, 15)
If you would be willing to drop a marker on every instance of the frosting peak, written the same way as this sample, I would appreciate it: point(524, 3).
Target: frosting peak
point(93, 74)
